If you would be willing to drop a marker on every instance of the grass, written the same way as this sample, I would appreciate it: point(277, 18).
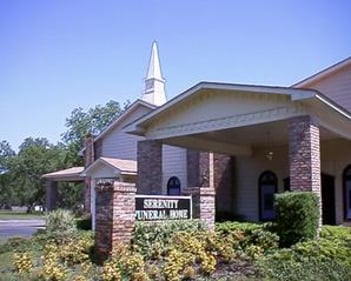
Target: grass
point(13, 215)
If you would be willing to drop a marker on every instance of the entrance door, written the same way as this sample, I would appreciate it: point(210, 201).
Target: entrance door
point(328, 199)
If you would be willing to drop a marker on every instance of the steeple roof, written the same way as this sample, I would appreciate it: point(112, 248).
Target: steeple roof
point(154, 91)
point(154, 69)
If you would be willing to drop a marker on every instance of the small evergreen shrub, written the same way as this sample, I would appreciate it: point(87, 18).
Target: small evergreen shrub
point(321, 259)
point(60, 222)
point(151, 237)
point(84, 223)
point(297, 217)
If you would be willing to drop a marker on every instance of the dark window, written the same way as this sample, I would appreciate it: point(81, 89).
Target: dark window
point(347, 192)
point(173, 186)
point(267, 185)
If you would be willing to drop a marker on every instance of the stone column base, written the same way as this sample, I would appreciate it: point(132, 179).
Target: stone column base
point(204, 207)
point(115, 217)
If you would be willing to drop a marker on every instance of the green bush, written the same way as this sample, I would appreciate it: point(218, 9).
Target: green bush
point(150, 237)
point(18, 244)
point(84, 223)
point(297, 217)
point(321, 259)
point(60, 222)
point(336, 232)
point(246, 227)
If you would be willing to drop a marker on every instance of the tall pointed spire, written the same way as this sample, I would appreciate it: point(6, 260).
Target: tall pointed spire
point(154, 91)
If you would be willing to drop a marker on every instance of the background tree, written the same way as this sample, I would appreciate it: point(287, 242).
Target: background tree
point(6, 187)
point(36, 157)
point(93, 121)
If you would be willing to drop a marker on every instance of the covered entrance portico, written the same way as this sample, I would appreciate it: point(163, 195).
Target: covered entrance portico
point(263, 135)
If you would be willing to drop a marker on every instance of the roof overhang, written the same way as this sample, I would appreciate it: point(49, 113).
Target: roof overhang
point(323, 74)
point(120, 119)
point(70, 174)
point(118, 166)
point(300, 101)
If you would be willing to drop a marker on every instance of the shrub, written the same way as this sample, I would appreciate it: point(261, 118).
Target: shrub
point(60, 222)
point(297, 217)
point(321, 259)
point(18, 244)
point(84, 223)
point(152, 238)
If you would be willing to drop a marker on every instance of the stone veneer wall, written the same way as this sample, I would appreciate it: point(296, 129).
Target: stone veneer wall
point(115, 216)
point(304, 156)
point(149, 167)
point(204, 208)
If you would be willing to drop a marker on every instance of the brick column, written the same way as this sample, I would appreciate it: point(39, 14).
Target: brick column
point(149, 167)
point(115, 216)
point(51, 195)
point(198, 173)
point(304, 156)
point(203, 204)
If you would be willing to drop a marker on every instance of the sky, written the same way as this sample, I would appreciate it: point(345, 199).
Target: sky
point(59, 55)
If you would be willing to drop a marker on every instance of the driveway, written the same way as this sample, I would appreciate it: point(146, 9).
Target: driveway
point(23, 228)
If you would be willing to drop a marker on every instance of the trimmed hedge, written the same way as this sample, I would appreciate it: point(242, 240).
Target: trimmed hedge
point(297, 217)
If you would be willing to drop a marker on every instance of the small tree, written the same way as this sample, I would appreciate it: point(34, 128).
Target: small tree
point(297, 217)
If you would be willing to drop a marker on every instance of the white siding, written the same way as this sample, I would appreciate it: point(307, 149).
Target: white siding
point(248, 170)
point(173, 164)
point(335, 156)
point(119, 144)
point(337, 87)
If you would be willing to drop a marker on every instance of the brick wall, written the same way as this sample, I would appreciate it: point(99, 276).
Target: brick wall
point(149, 167)
point(304, 156)
point(115, 216)
point(223, 182)
point(204, 208)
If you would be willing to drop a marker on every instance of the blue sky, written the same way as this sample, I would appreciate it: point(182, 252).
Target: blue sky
point(59, 55)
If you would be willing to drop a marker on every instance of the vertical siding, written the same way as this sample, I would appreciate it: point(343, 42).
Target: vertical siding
point(337, 87)
point(173, 164)
point(119, 144)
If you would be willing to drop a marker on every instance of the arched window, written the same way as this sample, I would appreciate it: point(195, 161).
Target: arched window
point(347, 192)
point(267, 186)
point(173, 186)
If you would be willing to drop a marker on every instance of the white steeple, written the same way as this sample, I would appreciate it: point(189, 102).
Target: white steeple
point(154, 91)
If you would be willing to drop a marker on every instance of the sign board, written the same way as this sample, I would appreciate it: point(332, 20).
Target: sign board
point(162, 207)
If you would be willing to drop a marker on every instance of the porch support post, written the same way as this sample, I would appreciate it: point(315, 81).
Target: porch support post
point(203, 196)
point(304, 156)
point(115, 217)
point(51, 195)
point(149, 167)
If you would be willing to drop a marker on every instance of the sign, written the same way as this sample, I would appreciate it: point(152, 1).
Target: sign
point(162, 207)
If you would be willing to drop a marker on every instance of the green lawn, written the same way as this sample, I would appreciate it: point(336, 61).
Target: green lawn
point(12, 215)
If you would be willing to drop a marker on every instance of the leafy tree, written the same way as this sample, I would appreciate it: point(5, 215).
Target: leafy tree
point(6, 188)
point(92, 121)
point(35, 158)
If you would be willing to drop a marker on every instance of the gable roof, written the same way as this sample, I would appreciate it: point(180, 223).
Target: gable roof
point(125, 167)
point(120, 119)
point(70, 174)
point(296, 94)
point(312, 98)
point(323, 73)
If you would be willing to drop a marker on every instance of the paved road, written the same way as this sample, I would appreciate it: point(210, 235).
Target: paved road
point(23, 228)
